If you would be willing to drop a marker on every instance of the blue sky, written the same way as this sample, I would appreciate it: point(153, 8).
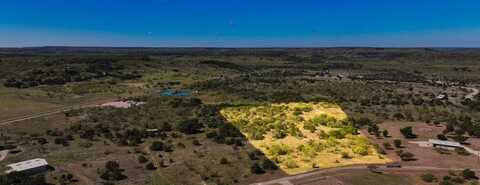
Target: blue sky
point(240, 23)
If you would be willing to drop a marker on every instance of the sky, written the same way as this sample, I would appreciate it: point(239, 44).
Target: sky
point(240, 23)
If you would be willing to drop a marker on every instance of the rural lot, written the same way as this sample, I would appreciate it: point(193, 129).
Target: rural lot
point(163, 116)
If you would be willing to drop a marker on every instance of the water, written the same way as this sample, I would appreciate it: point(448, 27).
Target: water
point(177, 93)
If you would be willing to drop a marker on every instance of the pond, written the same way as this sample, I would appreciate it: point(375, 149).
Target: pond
point(177, 93)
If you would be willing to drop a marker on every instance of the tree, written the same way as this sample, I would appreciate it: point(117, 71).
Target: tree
point(269, 165)
point(61, 141)
point(196, 142)
point(142, 159)
point(360, 150)
point(223, 160)
point(387, 146)
point(407, 132)
point(257, 169)
point(459, 138)
point(373, 129)
point(428, 178)
point(407, 156)
point(150, 166)
point(462, 151)
point(112, 172)
point(16, 178)
point(442, 137)
point(469, 174)
point(191, 126)
point(156, 146)
point(398, 116)
point(397, 143)
point(385, 133)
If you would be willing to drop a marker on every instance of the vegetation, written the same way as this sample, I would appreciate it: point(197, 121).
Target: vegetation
point(248, 111)
point(329, 134)
point(428, 177)
point(112, 172)
point(407, 132)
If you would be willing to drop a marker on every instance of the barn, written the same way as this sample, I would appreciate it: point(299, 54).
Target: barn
point(444, 144)
point(32, 166)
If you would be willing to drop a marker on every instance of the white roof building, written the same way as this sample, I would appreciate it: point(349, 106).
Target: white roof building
point(445, 143)
point(27, 165)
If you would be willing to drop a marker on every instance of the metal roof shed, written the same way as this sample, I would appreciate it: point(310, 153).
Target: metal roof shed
point(28, 165)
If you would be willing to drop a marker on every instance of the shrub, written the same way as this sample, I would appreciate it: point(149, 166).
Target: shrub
point(290, 163)
point(212, 134)
point(360, 150)
point(269, 165)
point(112, 172)
point(168, 147)
point(196, 142)
point(387, 146)
point(442, 137)
point(190, 126)
point(345, 155)
point(279, 149)
point(407, 132)
point(469, 174)
point(337, 134)
point(458, 180)
point(379, 149)
point(150, 166)
point(223, 160)
point(385, 133)
point(257, 169)
point(85, 144)
point(61, 141)
point(397, 143)
point(398, 116)
point(142, 159)
point(446, 182)
point(407, 156)
point(156, 146)
point(462, 151)
point(428, 177)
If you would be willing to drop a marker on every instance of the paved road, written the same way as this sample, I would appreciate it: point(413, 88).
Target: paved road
point(287, 180)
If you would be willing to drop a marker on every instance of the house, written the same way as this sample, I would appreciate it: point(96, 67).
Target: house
point(444, 144)
point(32, 166)
point(442, 96)
point(151, 130)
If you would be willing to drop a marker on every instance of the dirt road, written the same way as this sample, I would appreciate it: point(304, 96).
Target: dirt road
point(47, 113)
point(474, 93)
point(287, 180)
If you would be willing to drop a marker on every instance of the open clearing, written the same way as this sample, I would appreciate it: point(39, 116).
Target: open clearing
point(331, 144)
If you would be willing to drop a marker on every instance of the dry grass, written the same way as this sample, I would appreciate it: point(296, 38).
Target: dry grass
point(297, 161)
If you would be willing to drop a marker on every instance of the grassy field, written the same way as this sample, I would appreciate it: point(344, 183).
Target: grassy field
point(298, 150)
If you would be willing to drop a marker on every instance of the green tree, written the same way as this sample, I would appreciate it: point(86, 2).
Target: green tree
point(469, 174)
point(385, 133)
point(428, 178)
point(156, 146)
point(191, 126)
point(257, 169)
point(142, 159)
point(397, 143)
point(407, 132)
point(112, 172)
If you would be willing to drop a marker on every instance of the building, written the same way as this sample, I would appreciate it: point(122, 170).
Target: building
point(442, 96)
point(32, 166)
point(444, 144)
